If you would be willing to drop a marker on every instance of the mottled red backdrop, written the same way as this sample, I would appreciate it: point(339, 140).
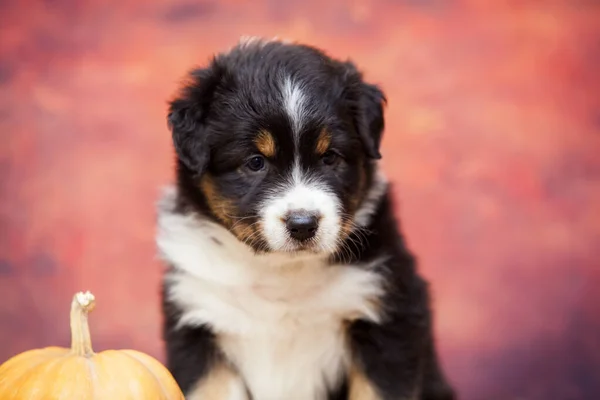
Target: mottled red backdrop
point(493, 141)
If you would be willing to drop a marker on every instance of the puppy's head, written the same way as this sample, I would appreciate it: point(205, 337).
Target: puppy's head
point(276, 142)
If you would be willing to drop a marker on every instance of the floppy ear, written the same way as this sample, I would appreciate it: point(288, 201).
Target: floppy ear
point(186, 120)
point(366, 103)
point(372, 121)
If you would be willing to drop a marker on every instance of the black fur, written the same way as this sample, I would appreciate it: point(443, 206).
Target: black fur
point(401, 351)
point(214, 121)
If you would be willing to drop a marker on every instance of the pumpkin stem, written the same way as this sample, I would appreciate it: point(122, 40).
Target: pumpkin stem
point(81, 342)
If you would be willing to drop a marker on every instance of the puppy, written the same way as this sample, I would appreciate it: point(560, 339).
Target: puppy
point(287, 276)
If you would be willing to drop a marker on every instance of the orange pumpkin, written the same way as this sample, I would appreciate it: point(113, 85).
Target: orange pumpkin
point(56, 373)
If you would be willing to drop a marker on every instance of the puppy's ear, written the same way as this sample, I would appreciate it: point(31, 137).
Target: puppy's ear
point(187, 115)
point(366, 102)
point(372, 121)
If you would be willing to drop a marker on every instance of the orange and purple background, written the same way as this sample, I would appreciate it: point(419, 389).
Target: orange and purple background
point(492, 140)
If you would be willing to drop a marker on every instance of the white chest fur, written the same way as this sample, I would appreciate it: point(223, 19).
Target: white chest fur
point(279, 320)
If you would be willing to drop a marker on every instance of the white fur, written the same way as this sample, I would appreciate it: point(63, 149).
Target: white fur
point(279, 318)
point(295, 105)
point(237, 390)
point(300, 193)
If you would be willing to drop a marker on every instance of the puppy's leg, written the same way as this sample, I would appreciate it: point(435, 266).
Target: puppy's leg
point(365, 383)
point(389, 357)
point(199, 367)
point(196, 362)
point(388, 362)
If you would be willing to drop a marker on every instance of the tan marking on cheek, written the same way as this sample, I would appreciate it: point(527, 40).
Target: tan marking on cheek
point(346, 228)
point(360, 387)
point(217, 385)
point(245, 232)
point(265, 143)
point(219, 205)
point(226, 211)
point(323, 142)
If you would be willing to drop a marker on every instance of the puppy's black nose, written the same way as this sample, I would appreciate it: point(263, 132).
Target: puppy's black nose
point(302, 225)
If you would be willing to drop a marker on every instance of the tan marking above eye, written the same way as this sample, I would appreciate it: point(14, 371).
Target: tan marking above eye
point(265, 143)
point(323, 142)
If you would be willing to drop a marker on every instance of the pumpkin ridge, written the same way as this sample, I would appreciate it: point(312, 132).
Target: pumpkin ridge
point(49, 363)
point(165, 395)
point(26, 356)
point(37, 357)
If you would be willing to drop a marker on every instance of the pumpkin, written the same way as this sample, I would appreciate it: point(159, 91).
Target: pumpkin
point(56, 373)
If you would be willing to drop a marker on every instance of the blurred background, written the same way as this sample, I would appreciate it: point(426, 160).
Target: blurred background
point(492, 140)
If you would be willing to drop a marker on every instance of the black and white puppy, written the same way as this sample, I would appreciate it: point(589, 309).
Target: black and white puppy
point(288, 278)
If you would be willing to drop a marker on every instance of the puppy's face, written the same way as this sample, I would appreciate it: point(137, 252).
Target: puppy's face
point(276, 141)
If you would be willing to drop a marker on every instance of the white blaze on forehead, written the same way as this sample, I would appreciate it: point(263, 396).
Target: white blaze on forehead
point(295, 105)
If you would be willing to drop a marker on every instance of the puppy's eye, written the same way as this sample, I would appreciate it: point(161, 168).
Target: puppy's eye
point(256, 163)
point(329, 157)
